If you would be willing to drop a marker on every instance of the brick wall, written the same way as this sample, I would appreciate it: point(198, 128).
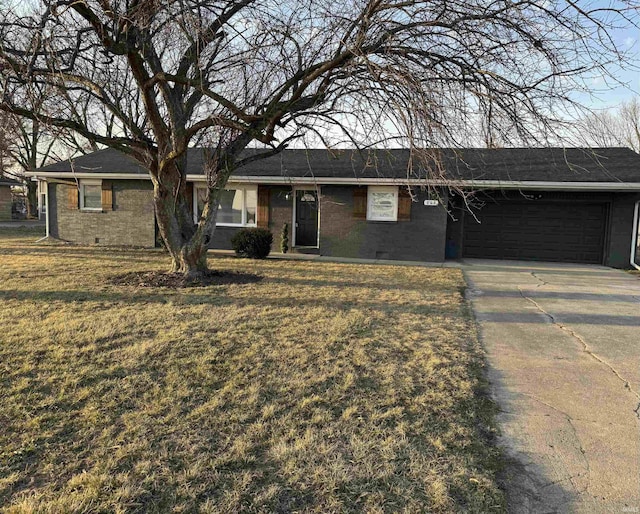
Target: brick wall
point(422, 238)
point(5, 203)
point(132, 221)
point(280, 212)
point(222, 238)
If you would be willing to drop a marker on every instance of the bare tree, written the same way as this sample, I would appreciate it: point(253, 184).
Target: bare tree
point(32, 143)
point(630, 120)
point(7, 137)
point(615, 127)
point(233, 73)
point(31, 149)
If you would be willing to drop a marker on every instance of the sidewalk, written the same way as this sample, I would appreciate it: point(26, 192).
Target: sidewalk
point(345, 260)
point(22, 223)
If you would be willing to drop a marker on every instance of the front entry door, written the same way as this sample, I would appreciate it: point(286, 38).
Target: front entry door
point(306, 218)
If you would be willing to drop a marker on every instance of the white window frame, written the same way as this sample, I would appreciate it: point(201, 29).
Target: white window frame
point(42, 198)
point(90, 182)
point(244, 190)
point(381, 189)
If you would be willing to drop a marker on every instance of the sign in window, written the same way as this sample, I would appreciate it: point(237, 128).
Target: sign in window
point(382, 203)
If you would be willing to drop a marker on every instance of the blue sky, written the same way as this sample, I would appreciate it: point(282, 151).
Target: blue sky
point(607, 92)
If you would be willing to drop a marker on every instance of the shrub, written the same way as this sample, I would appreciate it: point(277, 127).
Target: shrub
point(284, 238)
point(254, 243)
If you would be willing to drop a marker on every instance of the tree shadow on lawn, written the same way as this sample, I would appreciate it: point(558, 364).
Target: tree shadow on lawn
point(79, 251)
point(205, 296)
point(375, 285)
point(202, 413)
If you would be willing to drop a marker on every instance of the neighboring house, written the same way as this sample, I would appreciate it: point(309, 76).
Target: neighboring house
point(5, 197)
point(553, 204)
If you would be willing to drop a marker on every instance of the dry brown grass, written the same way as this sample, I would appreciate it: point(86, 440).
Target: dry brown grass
point(321, 388)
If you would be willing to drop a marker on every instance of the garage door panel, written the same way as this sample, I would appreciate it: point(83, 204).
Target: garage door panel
point(537, 231)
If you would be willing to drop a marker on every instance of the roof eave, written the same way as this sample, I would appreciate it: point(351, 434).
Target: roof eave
point(294, 181)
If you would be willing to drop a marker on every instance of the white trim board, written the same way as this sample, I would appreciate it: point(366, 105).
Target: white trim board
point(306, 181)
point(97, 176)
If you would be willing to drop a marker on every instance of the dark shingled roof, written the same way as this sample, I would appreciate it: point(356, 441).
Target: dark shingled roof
point(6, 181)
point(503, 164)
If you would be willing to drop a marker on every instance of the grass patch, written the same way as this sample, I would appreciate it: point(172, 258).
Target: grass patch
point(320, 388)
point(22, 233)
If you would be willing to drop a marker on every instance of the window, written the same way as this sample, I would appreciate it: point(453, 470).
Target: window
point(382, 203)
point(91, 195)
point(237, 207)
point(42, 198)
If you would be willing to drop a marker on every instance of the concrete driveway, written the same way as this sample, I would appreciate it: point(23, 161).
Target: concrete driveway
point(564, 351)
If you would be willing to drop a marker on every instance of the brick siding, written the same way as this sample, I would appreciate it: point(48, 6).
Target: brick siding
point(131, 223)
point(422, 238)
point(5, 203)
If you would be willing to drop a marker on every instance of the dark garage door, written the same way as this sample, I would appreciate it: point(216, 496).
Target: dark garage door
point(537, 231)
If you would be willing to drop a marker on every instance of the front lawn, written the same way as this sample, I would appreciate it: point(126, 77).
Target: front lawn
point(320, 388)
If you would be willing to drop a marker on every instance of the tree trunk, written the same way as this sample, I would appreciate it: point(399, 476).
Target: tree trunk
point(187, 249)
point(192, 259)
point(32, 200)
point(185, 244)
point(186, 240)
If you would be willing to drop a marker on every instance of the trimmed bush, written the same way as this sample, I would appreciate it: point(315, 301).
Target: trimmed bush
point(254, 243)
point(284, 238)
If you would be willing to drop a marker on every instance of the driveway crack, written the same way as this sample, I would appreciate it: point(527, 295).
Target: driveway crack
point(578, 442)
point(542, 282)
point(585, 348)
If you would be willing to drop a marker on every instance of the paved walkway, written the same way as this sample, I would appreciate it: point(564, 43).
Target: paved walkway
point(564, 354)
point(346, 260)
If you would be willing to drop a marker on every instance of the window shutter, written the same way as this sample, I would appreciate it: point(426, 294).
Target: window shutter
point(404, 205)
point(72, 198)
point(263, 207)
point(360, 203)
point(107, 195)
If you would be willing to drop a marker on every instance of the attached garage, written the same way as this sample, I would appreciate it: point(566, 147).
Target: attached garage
point(537, 230)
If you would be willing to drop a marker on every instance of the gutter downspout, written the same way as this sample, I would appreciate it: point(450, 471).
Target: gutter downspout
point(46, 184)
point(635, 237)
